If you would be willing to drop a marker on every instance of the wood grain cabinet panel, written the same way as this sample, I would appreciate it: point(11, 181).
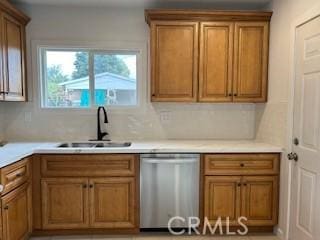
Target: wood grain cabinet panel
point(13, 33)
point(233, 55)
point(251, 61)
point(222, 198)
point(113, 203)
point(241, 164)
point(174, 56)
point(15, 175)
point(260, 200)
point(215, 64)
point(88, 165)
point(237, 185)
point(16, 210)
point(65, 203)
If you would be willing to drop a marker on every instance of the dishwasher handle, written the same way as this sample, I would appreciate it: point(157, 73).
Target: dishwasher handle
point(169, 160)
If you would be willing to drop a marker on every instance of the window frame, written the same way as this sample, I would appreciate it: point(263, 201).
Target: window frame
point(137, 48)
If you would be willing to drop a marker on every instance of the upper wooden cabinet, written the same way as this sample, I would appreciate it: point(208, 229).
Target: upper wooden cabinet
point(232, 63)
point(250, 72)
point(174, 54)
point(13, 66)
point(215, 68)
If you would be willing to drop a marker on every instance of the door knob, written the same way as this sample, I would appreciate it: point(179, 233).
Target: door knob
point(293, 156)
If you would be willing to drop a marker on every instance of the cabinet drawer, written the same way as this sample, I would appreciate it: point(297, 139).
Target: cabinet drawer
point(88, 165)
point(241, 164)
point(14, 175)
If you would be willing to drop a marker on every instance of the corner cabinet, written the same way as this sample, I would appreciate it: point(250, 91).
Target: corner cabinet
point(16, 201)
point(13, 56)
point(208, 56)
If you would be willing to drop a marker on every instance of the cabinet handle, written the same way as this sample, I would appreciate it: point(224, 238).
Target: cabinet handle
point(18, 175)
point(3, 92)
point(6, 208)
point(244, 184)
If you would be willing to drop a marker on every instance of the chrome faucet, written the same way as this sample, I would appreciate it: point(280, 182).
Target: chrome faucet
point(100, 134)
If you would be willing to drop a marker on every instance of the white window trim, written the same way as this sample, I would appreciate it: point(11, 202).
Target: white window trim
point(107, 46)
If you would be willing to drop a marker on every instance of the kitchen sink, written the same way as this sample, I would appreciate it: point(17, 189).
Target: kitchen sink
point(113, 144)
point(77, 145)
point(94, 145)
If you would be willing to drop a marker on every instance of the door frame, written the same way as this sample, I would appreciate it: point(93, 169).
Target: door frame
point(302, 19)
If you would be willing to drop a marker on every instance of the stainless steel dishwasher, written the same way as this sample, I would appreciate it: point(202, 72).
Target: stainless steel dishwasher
point(169, 188)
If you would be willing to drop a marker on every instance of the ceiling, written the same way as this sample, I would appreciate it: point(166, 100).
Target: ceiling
point(150, 3)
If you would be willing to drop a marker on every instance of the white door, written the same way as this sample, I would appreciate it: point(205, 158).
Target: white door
point(305, 218)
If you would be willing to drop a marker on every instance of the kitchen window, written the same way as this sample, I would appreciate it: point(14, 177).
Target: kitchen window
point(86, 78)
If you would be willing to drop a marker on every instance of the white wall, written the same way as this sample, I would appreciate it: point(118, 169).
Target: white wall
point(188, 121)
point(272, 118)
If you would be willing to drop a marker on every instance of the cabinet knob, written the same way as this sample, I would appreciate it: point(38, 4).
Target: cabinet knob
point(84, 185)
point(235, 94)
point(230, 94)
point(244, 184)
point(153, 95)
point(239, 184)
point(6, 208)
point(91, 186)
point(241, 164)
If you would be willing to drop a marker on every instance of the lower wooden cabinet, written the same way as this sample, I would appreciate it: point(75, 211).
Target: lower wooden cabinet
point(241, 185)
point(112, 202)
point(65, 203)
point(260, 200)
point(78, 203)
point(254, 197)
point(16, 210)
point(222, 198)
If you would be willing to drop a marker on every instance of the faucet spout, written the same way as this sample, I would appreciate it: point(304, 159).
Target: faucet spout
point(100, 134)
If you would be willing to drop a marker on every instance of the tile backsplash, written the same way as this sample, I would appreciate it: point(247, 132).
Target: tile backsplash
point(156, 121)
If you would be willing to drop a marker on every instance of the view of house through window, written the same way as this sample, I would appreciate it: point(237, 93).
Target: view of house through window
point(87, 78)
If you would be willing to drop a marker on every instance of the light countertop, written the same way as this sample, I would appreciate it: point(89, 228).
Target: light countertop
point(13, 152)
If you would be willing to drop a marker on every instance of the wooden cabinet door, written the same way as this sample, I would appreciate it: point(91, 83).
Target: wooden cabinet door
point(251, 61)
point(260, 200)
point(222, 196)
point(215, 64)
point(64, 203)
point(113, 203)
point(16, 211)
point(174, 61)
point(13, 37)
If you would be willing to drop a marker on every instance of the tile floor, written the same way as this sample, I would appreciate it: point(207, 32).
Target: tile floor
point(155, 237)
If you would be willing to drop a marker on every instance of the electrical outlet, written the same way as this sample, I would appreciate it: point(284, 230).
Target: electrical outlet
point(165, 116)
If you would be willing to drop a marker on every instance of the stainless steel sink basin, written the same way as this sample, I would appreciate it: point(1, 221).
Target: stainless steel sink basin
point(77, 145)
point(113, 144)
point(95, 145)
